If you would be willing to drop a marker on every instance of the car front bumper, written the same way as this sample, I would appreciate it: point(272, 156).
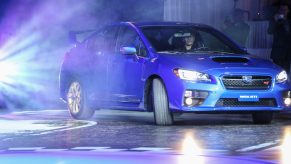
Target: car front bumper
point(219, 99)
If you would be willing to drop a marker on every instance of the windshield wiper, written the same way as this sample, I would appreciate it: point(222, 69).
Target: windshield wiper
point(223, 52)
point(214, 52)
point(170, 52)
point(195, 52)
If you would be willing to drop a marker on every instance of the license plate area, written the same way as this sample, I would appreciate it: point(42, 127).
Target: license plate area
point(250, 98)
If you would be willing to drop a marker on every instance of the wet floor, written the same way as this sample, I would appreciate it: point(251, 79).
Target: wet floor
point(206, 136)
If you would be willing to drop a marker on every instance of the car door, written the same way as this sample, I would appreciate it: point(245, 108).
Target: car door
point(101, 46)
point(126, 80)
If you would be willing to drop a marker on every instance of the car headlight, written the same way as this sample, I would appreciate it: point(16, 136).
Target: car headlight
point(281, 77)
point(192, 75)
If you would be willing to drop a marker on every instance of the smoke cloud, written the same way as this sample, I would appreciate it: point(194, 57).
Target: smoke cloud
point(34, 39)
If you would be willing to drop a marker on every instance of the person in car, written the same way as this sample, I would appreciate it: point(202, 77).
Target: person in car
point(189, 42)
point(184, 43)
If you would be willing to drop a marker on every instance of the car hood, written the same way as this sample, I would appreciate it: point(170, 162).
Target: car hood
point(221, 63)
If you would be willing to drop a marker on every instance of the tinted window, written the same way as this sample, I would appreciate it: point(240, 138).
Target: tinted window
point(174, 38)
point(128, 37)
point(103, 41)
point(141, 49)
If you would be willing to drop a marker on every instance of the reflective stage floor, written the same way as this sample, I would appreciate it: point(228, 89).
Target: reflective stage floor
point(51, 136)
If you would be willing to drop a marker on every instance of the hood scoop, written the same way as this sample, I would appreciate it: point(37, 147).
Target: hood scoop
point(230, 59)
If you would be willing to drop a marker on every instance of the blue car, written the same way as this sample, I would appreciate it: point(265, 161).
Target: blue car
point(167, 68)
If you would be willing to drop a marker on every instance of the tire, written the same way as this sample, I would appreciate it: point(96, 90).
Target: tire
point(162, 114)
point(77, 101)
point(262, 117)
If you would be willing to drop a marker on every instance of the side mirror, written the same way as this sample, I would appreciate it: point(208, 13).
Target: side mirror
point(128, 50)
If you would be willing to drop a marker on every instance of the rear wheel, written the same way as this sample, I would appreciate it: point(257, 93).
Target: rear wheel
point(77, 101)
point(162, 114)
point(262, 117)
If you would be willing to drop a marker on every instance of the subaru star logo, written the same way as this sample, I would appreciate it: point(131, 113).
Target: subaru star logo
point(247, 79)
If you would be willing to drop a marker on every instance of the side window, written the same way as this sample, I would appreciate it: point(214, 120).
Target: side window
point(128, 37)
point(104, 41)
point(94, 42)
point(141, 49)
point(110, 35)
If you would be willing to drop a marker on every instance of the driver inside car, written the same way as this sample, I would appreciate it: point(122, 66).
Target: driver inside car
point(189, 42)
point(185, 42)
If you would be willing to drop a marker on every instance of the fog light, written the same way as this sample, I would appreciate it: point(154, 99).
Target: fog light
point(287, 98)
point(188, 101)
point(287, 101)
point(194, 97)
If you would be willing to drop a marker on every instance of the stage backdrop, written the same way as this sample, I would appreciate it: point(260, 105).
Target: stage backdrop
point(214, 12)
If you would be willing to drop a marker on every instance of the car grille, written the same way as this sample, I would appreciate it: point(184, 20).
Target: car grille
point(247, 82)
point(233, 102)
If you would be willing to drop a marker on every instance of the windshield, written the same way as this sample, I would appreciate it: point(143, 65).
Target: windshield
point(189, 39)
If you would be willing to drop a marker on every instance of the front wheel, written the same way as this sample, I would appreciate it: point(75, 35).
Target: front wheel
point(262, 117)
point(162, 114)
point(77, 101)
